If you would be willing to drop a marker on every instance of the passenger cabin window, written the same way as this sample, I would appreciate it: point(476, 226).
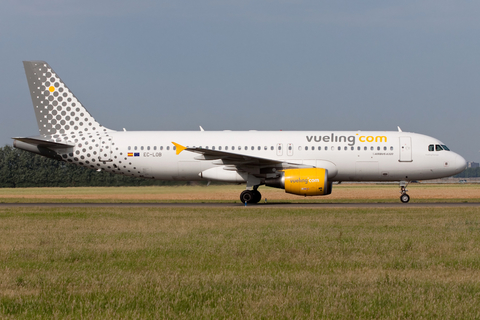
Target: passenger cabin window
point(168, 147)
point(306, 148)
point(129, 148)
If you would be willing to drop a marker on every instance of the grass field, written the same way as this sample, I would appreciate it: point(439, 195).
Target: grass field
point(240, 262)
point(230, 193)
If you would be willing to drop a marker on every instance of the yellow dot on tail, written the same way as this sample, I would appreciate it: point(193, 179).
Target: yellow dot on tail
point(51, 89)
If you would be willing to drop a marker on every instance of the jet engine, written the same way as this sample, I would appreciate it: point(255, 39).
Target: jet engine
point(304, 182)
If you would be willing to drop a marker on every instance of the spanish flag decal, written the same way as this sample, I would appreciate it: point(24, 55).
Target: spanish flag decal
point(130, 154)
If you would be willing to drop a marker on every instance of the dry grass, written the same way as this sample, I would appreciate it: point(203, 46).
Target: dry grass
point(239, 263)
point(341, 193)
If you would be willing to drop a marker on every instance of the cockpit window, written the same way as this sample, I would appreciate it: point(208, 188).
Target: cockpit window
point(438, 147)
point(445, 147)
point(431, 147)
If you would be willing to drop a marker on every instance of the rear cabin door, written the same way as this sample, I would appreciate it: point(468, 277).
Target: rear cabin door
point(405, 149)
point(105, 149)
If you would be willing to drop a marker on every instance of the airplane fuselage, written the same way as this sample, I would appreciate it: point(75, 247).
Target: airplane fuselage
point(355, 156)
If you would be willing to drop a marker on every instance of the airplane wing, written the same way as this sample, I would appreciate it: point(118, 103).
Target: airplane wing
point(242, 162)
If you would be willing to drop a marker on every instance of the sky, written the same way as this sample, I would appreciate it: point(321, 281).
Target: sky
point(252, 65)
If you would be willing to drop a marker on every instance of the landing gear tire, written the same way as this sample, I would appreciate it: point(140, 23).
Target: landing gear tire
point(404, 198)
point(257, 196)
point(246, 196)
point(250, 196)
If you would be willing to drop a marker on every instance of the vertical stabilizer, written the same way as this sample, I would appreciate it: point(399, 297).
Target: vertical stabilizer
point(57, 110)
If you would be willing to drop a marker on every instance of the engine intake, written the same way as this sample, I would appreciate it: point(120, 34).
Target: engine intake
point(305, 182)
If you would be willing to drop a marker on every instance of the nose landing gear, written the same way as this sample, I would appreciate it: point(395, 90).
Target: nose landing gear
point(404, 197)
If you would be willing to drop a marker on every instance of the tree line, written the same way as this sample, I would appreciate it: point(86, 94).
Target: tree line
point(19, 168)
point(469, 173)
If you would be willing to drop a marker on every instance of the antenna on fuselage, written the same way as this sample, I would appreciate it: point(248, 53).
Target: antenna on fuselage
point(201, 129)
point(399, 130)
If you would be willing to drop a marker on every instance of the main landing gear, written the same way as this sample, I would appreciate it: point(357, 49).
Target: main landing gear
point(404, 197)
point(251, 196)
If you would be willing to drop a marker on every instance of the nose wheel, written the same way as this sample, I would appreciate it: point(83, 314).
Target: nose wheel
point(404, 197)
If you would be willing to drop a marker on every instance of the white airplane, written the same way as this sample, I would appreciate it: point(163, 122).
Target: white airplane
point(301, 162)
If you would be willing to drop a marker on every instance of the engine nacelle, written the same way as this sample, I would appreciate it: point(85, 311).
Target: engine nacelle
point(304, 182)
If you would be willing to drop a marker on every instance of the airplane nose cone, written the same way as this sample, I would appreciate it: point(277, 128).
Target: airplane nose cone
point(460, 163)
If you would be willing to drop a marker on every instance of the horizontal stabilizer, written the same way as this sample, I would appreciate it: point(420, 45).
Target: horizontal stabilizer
point(45, 143)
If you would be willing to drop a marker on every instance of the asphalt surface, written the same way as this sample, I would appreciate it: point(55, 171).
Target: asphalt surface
point(237, 205)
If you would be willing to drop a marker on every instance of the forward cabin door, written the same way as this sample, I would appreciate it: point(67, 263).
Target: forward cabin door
point(405, 149)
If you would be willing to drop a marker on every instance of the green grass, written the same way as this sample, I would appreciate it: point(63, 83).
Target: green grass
point(239, 263)
point(343, 193)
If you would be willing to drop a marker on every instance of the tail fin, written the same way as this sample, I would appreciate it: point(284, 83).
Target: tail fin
point(57, 110)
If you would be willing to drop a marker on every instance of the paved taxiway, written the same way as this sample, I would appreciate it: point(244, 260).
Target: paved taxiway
point(259, 205)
